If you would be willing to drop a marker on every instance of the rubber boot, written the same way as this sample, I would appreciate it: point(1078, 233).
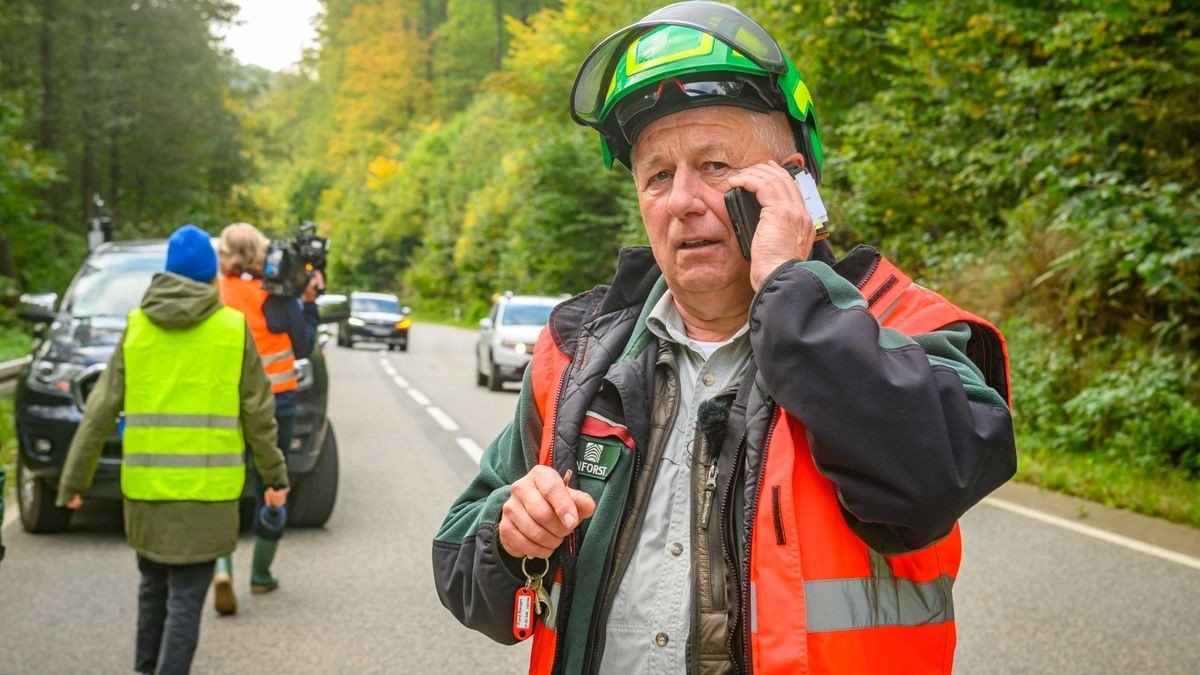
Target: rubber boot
point(261, 579)
point(223, 598)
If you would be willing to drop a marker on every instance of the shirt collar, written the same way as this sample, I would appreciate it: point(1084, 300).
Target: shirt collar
point(665, 323)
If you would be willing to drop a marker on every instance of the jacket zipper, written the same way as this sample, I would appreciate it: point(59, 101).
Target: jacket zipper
point(600, 613)
point(753, 512)
point(561, 618)
point(867, 277)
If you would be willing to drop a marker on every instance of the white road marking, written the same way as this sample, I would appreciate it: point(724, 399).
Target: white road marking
point(1096, 533)
point(400, 381)
point(418, 396)
point(442, 418)
point(471, 448)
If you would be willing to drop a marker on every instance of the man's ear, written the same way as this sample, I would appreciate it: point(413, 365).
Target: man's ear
point(797, 157)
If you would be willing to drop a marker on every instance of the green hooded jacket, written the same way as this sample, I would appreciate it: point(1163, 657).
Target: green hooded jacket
point(176, 532)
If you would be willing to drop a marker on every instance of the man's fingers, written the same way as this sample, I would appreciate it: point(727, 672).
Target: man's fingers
point(515, 513)
point(518, 545)
point(558, 495)
point(584, 504)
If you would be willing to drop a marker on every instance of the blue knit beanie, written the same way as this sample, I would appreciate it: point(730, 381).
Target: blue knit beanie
point(190, 253)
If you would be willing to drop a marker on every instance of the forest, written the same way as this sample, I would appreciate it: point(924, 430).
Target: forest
point(1035, 162)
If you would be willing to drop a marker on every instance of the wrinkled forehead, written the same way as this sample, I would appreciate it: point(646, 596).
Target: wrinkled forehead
point(699, 131)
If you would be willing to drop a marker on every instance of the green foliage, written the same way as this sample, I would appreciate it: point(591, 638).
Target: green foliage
point(1035, 162)
point(132, 102)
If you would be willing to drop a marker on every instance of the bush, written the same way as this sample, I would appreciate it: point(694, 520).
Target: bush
point(1144, 412)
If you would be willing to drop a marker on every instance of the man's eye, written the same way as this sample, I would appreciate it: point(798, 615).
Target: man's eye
point(717, 166)
point(660, 177)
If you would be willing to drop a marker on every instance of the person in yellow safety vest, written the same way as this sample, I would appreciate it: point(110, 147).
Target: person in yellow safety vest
point(191, 384)
point(284, 330)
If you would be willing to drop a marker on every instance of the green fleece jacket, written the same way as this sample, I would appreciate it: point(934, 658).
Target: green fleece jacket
point(176, 532)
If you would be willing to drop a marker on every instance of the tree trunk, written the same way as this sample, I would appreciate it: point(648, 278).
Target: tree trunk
point(499, 34)
point(88, 180)
point(49, 103)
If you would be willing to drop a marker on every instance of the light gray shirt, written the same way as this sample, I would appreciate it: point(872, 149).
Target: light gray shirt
point(650, 618)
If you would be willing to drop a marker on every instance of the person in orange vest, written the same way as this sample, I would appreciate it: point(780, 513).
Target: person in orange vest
point(284, 329)
point(724, 460)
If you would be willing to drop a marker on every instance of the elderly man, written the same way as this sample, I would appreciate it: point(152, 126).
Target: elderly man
point(719, 465)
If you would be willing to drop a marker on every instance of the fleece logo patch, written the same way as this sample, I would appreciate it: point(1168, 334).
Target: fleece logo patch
point(596, 459)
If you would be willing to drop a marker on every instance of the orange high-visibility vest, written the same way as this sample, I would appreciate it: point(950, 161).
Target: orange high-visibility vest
point(821, 600)
point(247, 296)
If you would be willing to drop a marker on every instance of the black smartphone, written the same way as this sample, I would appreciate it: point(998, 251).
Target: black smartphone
point(744, 209)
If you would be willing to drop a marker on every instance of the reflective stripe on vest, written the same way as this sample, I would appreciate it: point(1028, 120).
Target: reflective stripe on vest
point(247, 297)
point(183, 438)
point(189, 421)
point(182, 461)
point(871, 602)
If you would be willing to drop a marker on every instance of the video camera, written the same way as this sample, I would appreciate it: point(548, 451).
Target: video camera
point(291, 262)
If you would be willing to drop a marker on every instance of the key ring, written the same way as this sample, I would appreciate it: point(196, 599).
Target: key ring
point(524, 571)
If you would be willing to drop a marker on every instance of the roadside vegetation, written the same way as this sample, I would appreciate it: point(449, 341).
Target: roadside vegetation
point(1035, 162)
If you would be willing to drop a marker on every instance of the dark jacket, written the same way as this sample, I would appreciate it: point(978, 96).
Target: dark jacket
point(184, 531)
point(902, 480)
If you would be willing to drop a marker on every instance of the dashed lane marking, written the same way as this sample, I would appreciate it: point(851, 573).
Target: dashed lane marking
point(471, 448)
point(442, 418)
point(400, 381)
point(417, 396)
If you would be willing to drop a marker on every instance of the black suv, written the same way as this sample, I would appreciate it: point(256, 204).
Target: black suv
point(75, 340)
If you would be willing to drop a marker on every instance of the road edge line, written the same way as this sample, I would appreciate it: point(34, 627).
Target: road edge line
point(1096, 533)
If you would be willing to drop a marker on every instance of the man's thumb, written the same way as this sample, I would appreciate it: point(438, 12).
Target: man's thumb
point(583, 503)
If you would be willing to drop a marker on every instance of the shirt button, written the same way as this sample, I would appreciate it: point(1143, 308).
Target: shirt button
point(676, 548)
point(709, 380)
point(661, 639)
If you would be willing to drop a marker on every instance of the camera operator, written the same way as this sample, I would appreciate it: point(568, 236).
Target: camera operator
point(284, 330)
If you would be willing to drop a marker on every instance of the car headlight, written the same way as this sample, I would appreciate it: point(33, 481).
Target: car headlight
point(304, 374)
point(404, 323)
point(518, 347)
point(355, 321)
point(52, 377)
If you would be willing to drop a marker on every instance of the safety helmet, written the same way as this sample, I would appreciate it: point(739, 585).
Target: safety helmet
point(687, 55)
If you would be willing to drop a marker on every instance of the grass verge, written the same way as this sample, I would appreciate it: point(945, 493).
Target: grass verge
point(1165, 495)
point(15, 342)
point(8, 449)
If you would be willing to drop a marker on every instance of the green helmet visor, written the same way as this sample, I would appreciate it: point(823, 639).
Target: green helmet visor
point(719, 20)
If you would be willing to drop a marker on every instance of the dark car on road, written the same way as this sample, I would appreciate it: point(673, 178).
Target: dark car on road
point(76, 337)
point(375, 317)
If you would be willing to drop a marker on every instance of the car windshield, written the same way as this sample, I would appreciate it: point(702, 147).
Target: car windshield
point(390, 305)
point(526, 315)
point(113, 284)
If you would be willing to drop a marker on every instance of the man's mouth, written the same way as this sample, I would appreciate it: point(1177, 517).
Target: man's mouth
point(696, 243)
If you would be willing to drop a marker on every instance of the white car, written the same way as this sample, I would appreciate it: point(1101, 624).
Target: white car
point(507, 336)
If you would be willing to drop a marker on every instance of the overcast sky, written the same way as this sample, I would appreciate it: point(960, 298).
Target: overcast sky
point(272, 33)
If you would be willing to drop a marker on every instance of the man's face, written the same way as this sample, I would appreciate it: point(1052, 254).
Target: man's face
point(681, 164)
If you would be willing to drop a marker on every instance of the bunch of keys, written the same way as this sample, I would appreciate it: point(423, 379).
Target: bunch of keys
point(532, 599)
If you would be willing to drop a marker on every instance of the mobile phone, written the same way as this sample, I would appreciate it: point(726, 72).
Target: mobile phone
point(744, 209)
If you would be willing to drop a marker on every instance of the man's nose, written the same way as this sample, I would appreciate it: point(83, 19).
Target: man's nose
point(684, 199)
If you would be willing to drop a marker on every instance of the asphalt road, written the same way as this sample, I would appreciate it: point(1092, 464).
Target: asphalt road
point(357, 595)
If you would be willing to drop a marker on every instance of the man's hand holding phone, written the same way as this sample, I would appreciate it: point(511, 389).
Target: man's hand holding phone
point(785, 229)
